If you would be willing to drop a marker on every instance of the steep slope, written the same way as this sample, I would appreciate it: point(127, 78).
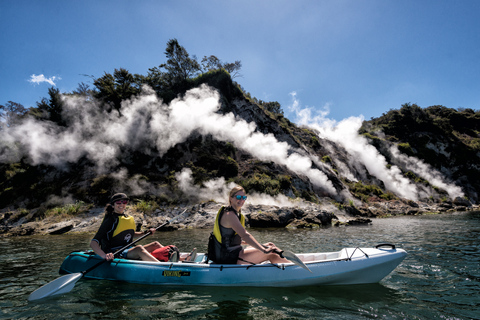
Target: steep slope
point(194, 147)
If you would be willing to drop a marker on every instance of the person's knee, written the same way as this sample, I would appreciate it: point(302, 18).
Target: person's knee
point(139, 248)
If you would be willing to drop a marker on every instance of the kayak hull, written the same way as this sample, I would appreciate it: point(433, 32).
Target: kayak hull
point(345, 267)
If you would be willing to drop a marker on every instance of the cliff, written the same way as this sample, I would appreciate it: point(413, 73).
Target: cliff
point(191, 149)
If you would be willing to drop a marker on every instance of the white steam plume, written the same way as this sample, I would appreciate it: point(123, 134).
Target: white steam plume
point(345, 133)
point(426, 172)
point(142, 122)
point(218, 190)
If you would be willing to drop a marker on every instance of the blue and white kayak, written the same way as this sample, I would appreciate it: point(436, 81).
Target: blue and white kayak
point(345, 267)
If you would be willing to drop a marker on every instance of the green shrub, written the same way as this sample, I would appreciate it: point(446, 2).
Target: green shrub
point(327, 159)
point(68, 210)
point(405, 148)
point(147, 207)
point(364, 192)
point(262, 183)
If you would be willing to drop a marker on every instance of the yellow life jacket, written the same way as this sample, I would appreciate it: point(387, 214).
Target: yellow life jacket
point(124, 228)
point(216, 227)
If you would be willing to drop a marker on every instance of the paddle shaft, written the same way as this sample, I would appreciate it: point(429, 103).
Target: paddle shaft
point(132, 243)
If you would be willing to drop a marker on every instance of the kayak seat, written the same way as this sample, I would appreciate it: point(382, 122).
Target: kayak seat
point(312, 257)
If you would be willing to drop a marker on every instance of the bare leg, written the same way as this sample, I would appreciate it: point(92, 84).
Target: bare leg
point(253, 255)
point(139, 252)
point(152, 246)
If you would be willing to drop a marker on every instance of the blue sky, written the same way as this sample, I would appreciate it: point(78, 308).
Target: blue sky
point(344, 57)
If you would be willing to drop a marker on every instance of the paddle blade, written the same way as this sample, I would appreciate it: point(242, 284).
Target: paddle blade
point(296, 260)
point(60, 285)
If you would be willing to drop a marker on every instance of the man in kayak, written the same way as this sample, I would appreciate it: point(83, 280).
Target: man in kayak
point(229, 234)
point(118, 230)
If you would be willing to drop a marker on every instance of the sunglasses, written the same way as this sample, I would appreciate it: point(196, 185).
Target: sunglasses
point(121, 202)
point(240, 197)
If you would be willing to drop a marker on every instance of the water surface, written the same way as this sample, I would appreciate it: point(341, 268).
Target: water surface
point(439, 279)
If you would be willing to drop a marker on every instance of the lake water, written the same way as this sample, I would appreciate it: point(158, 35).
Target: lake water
point(439, 279)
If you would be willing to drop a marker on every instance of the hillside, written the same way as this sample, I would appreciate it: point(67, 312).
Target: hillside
point(187, 140)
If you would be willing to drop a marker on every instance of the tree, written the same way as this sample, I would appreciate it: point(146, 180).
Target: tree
point(180, 67)
point(52, 108)
point(83, 90)
point(213, 63)
point(233, 68)
point(10, 113)
point(113, 89)
point(273, 106)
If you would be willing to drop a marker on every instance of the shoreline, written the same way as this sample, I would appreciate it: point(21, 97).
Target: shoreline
point(203, 215)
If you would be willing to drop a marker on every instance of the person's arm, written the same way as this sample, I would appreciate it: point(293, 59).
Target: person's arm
point(101, 234)
point(96, 248)
point(141, 233)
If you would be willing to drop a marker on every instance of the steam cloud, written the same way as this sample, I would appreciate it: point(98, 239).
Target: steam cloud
point(143, 121)
point(345, 133)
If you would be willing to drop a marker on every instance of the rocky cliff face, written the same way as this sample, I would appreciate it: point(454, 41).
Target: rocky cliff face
point(196, 147)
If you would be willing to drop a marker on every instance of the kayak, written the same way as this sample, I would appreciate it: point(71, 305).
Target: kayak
point(345, 267)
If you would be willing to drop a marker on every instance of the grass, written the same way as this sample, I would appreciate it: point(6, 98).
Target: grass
point(68, 210)
point(147, 207)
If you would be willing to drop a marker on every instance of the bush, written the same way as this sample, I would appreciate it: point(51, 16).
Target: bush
point(68, 210)
point(147, 207)
point(406, 148)
point(262, 183)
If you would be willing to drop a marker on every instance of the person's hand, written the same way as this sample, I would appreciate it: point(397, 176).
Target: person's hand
point(152, 230)
point(109, 256)
point(270, 247)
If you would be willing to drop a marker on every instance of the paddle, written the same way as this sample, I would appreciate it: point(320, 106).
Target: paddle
point(290, 256)
point(66, 283)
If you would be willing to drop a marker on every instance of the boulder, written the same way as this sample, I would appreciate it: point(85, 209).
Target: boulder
point(458, 201)
point(61, 228)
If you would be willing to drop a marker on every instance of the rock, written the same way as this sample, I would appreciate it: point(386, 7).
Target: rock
point(351, 210)
point(353, 222)
point(446, 205)
point(462, 202)
point(412, 212)
point(61, 228)
point(271, 217)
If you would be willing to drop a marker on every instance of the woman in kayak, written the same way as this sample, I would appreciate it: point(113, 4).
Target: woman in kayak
point(118, 230)
point(230, 233)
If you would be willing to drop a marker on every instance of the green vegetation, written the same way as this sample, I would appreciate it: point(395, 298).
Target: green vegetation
point(68, 210)
point(365, 192)
point(268, 184)
point(146, 207)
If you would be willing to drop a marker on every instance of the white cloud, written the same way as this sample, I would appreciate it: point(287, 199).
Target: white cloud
point(41, 78)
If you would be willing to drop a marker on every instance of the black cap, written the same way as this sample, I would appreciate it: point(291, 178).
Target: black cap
point(118, 196)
